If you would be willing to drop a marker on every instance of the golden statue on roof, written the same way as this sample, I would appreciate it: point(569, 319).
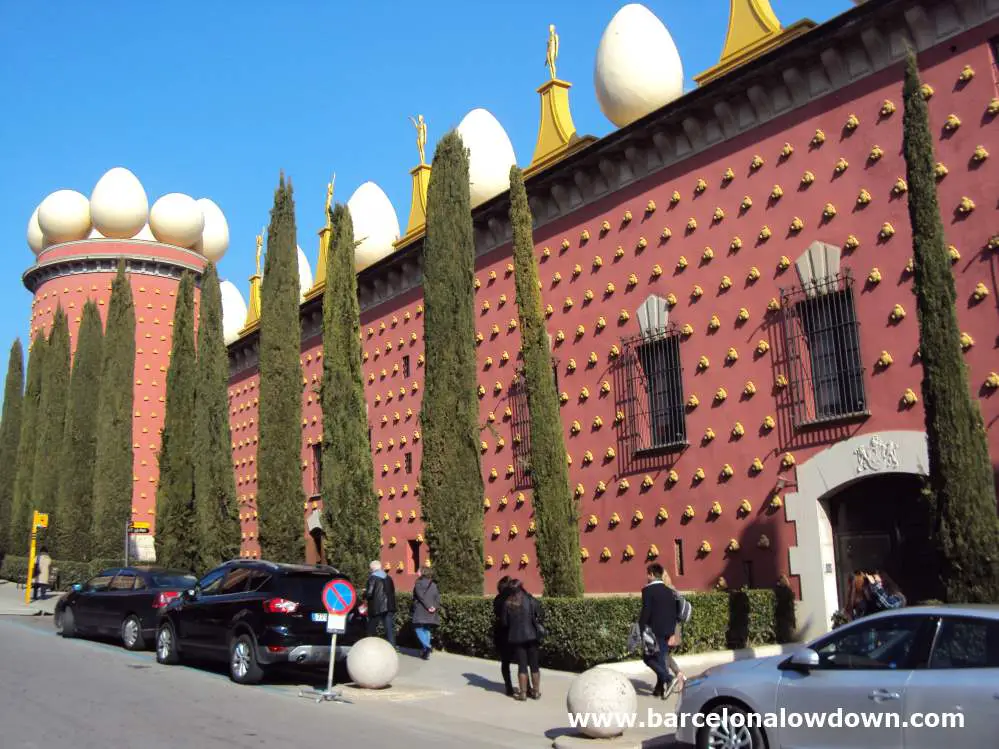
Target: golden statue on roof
point(551, 56)
point(421, 136)
point(260, 247)
point(330, 186)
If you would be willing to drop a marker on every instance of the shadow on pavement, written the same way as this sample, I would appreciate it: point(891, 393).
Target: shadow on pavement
point(476, 680)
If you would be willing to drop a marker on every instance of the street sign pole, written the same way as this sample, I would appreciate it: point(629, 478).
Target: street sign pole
point(338, 598)
point(128, 527)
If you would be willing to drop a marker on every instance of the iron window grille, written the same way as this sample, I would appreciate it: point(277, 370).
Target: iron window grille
point(655, 406)
point(520, 427)
point(822, 347)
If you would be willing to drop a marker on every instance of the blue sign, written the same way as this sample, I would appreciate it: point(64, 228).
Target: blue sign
point(339, 596)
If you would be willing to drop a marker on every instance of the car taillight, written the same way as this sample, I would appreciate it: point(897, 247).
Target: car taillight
point(164, 598)
point(280, 606)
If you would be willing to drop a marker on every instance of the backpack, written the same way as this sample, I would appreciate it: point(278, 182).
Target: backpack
point(683, 609)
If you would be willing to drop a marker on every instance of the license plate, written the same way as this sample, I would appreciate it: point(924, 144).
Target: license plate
point(320, 617)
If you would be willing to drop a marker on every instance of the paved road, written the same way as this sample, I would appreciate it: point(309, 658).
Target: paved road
point(83, 694)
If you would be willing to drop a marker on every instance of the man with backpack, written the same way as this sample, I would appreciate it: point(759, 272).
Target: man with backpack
point(658, 618)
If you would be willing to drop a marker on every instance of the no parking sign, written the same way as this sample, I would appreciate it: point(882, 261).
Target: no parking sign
point(338, 598)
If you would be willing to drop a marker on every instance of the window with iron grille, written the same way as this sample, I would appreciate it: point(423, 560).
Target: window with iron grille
point(520, 426)
point(653, 374)
point(822, 347)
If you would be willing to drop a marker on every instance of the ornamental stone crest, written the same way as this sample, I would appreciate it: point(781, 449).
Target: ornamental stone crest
point(877, 455)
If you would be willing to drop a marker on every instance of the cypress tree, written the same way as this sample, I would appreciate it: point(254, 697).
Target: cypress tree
point(20, 523)
point(214, 483)
point(961, 482)
point(557, 539)
point(349, 501)
point(10, 437)
point(279, 485)
point(113, 458)
point(176, 533)
point(74, 505)
point(51, 425)
point(450, 473)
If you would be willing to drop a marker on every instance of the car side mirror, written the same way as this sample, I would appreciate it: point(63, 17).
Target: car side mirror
point(803, 660)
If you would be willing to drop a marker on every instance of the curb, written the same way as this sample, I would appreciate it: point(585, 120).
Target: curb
point(695, 663)
point(579, 741)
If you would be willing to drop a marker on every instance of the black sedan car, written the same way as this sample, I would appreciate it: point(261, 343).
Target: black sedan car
point(121, 602)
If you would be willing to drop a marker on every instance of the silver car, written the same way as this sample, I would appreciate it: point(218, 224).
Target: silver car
point(908, 678)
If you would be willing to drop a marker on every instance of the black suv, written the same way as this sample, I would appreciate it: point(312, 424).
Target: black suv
point(254, 614)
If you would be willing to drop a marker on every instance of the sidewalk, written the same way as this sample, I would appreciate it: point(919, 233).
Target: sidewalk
point(12, 602)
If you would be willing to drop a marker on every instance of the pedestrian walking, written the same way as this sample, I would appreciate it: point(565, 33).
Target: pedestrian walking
point(659, 616)
point(500, 639)
point(43, 569)
point(426, 610)
point(524, 622)
point(379, 596)
point(682, 616)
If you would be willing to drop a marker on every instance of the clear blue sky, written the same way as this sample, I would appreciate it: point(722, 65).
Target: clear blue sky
point(214, 98)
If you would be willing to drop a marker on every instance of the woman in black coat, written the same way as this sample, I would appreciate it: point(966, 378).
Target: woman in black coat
point(500, 633)
point(522, 617)
point(426, 609)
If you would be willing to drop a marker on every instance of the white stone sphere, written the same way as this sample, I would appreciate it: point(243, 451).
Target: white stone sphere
point(372, 663)
point(214, 240)
point(304, 274)
point(376, 225)
point(36, 239)
point(177, 219)
point(233, 311)
point(602, 691)
point(64, 216)
point(490, 155)
point(118, 204)
point(638, 68)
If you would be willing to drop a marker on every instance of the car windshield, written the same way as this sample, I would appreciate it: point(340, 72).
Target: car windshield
point(174, 580)
point(306, 588)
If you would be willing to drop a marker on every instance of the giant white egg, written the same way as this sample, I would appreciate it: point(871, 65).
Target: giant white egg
point(376, 225)
point(638, 68)
point(64, 216)
point(118, 204)
point(304, 274)
point(36, 239)
point(177, 219)
point(233, 311)
point(214, 240)
point(490, 155)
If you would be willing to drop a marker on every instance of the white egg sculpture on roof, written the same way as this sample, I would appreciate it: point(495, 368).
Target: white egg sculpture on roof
point(376, 225)
point(36, 239)
point(214, 240)
point(638, 68)
point(64, 216)
point(118, 204)
point(177, 219)
point(304, 274)
point(490, 155)
point(233, 311)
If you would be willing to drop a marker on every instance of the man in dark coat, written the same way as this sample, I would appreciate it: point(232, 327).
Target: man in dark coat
point(500, 633)
point(379, 595)
point(426, 609)
point(659, 615)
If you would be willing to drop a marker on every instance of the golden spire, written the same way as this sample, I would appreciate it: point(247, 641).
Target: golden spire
point(421, 180)
point(325, 233)
point(253, 308)
point(556, 132)
point(753, 30)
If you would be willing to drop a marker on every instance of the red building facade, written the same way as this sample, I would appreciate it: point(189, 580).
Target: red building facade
point(734, 332)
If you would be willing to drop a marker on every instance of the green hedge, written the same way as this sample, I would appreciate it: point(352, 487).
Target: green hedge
point(584, 632)
point(15, 568)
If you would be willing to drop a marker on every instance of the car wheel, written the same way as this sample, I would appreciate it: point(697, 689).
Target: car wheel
point(131, 633)
point(243, 665)
point(166, 645)
point(722, 734)
point(66, 623)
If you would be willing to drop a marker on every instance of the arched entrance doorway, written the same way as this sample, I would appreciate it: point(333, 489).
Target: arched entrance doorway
point(866, 478)
point(882, 523)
